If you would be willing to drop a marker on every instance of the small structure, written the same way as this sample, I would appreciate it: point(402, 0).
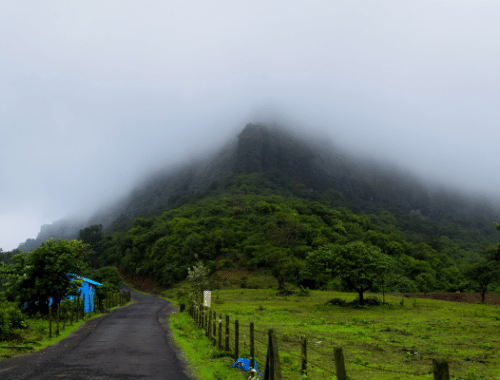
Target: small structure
point(88, 288)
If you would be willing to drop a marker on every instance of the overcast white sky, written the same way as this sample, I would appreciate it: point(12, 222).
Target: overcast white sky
point(93, 93)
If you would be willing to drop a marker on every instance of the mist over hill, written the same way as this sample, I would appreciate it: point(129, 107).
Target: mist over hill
point(310, 162)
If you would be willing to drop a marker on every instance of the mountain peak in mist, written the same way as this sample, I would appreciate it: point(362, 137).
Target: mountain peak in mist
point(312, 163)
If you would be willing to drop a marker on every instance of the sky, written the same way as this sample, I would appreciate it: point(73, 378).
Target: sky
point(95, 94)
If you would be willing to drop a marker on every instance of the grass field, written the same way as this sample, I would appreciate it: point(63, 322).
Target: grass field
point(396, 341)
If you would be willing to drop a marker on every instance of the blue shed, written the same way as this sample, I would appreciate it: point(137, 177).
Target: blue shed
point(88, 287)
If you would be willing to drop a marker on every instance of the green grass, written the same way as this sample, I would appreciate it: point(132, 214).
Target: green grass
point(392, 342)
point(37, 334)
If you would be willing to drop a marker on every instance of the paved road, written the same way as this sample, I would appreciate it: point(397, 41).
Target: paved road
point(133, 342)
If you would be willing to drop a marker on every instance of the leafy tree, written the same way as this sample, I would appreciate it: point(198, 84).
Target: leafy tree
point(425, 281)
point(283, 266)
point(92, 236)
point(394, 248)
point(483, 273)
point(110, 278)
point(388, 264)
point(356, 264)
point(46, 272)
point(198, 277)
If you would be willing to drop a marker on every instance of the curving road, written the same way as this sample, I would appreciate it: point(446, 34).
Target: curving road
point(133, 342)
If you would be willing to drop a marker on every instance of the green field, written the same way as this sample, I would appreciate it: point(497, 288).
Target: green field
point(396, 341)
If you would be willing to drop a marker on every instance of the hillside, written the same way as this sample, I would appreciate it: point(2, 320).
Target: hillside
point(270, 197)
point(261, 222)
point(312, 165)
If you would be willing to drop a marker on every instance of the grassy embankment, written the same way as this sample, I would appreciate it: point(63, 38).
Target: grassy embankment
point(402, 337)
point(36, 334)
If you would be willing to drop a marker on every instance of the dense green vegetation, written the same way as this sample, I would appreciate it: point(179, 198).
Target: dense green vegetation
point(262, 220)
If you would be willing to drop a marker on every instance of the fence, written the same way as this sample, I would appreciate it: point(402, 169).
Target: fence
point(110, 300)
point(207, 320)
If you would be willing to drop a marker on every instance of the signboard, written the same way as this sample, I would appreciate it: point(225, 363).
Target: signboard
point(206, 298)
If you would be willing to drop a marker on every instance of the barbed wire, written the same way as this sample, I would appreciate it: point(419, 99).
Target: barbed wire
point(310, 347)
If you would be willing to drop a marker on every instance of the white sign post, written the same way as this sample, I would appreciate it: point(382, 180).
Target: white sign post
point(206, 298)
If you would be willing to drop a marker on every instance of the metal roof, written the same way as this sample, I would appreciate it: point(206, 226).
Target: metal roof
point(86, 279)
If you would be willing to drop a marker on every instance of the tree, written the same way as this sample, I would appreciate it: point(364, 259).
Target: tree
point(283, 266)
point(110, 279)
point(198, 277)
point(387, 263)
point(92, 236)
point(425, 281)
point(45, 273)
point(483, 273)
point(356, 264)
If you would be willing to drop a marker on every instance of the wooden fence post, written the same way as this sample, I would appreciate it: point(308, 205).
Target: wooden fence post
point(440, 368)
point(83, 307)
point(214, 338)
point(204, 317)
point(214, 335)
point(236, 332)
point(72, 311)
point(209, 330)
point(252, 352)
point(90, 309)
point(65, 318)
point(227, 333)
point(303, 369)
point(57, 325)
point(77, 309)
point(220, 332)
point(50, 322)
point(273, 368)
point(339, 364)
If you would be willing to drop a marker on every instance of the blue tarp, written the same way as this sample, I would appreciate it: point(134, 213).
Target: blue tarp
point(244, 364)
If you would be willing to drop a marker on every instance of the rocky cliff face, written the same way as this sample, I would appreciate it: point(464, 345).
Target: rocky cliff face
point(261, 148)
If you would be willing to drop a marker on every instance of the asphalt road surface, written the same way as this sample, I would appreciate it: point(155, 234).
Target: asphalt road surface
point(133, 342)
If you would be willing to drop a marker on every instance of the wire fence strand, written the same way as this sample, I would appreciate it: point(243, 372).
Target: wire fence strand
point(260, 351)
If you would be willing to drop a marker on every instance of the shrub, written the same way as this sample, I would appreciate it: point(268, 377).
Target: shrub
point(336, 302)
point(253, 283)
point(10, 318)
point(304, 291)
point(180, 294)
point(369, 301)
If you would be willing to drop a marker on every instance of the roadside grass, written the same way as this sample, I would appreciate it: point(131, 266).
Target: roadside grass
point(36, 334)
point(396, 341)
point(206, 361)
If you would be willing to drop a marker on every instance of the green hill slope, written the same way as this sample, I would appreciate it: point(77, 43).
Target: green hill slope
point(262, 221)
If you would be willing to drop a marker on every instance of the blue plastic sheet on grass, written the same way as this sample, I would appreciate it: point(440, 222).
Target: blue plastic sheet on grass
point(244, 364)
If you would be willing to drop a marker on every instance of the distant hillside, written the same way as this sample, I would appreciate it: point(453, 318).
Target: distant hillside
point(311, 165)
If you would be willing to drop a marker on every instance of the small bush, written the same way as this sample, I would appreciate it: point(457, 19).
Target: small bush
point(181, 294)
point(243, 283)
point(337, 302)
point(11, 319)
point(285, 292)
point(304, 292)
point(369, 301)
